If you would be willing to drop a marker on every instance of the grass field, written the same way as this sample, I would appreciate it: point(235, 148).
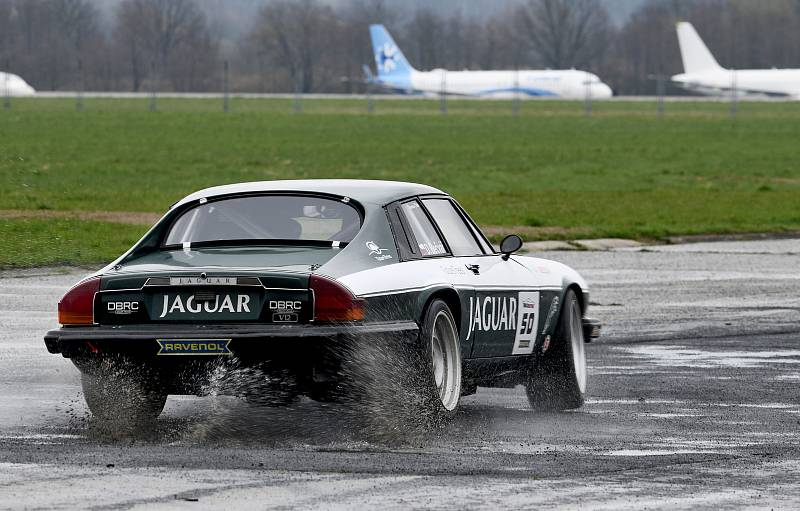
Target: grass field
point(550, 172)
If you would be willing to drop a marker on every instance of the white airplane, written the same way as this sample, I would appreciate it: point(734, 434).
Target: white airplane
point(13, 85)
point(702, 73)
point(396, 74)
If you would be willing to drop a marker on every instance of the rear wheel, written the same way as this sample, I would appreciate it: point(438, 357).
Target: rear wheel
point(401, 387)
point(117, 389)
point(442, 348)
point(557, 380)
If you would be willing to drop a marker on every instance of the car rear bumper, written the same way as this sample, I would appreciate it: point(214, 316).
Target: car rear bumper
point(71, 340)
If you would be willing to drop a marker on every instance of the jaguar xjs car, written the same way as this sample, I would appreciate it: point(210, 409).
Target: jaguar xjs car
point(281, 275)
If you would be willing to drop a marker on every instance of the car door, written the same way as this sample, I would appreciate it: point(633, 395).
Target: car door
point(503, 311)
point(427, 259)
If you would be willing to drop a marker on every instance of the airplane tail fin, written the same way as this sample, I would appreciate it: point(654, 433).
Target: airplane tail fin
point(694, 53)
point(389, 60)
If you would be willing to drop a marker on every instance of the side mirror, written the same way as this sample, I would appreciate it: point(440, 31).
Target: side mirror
point(509, 245)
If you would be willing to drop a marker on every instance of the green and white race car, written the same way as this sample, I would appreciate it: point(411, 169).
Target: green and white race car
point(293, 277)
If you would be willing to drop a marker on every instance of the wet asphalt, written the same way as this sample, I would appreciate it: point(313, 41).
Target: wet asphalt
point(693, 403)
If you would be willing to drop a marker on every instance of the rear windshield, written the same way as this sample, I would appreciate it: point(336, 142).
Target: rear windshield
point(268, 217)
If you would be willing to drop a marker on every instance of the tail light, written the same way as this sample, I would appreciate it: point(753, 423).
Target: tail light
point(334, 302)
point(77, 306)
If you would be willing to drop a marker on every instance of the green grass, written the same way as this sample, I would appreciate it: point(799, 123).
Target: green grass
point(621, 172)
point(37, 242)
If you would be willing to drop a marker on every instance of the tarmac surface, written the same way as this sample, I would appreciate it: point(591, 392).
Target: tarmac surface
point(693, 403)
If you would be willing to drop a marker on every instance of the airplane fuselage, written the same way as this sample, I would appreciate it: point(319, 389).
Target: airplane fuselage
point(743, 82)
point(395, 73)
point(569, 84)
point(13, 85)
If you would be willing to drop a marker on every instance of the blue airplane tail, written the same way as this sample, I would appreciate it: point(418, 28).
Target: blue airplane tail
point(393, 67)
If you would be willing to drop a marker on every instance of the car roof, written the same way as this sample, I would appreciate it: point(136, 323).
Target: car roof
point(361, 190)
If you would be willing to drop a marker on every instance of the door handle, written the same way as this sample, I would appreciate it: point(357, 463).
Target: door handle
point(474, 268)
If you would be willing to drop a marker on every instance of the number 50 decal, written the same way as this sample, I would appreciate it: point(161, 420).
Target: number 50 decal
point(527, 324)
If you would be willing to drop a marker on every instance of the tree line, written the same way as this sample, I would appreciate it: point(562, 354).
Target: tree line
point(312, 46)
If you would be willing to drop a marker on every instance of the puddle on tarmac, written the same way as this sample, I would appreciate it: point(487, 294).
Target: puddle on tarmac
point(656, 452)
point(680, 356)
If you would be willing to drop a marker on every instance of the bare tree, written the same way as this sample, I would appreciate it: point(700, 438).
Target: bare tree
point(646, 47)
point(129, 42)
point(76, 23)
point(46, 39)
point(195, 64)
point(565, 33)
point(151, 32)
point(426, 38)
point(296, 36)
point(8, 17)
point(455, 37)
point(313, 44)
point(356, 51)
point(501, 47)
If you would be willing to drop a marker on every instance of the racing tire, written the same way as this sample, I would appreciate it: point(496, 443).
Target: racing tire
point(557, 380)
point(441, 349)
point(402, 389)
point(115, 389)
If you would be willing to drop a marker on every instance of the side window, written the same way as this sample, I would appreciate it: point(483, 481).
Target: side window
point(403, 238)
point(457, 233)
point(424, 232)
point(482, 241)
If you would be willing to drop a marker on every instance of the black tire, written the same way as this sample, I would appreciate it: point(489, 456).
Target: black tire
point(441, 349)
point(557, 380)
point(390, 383)
point(116, 389)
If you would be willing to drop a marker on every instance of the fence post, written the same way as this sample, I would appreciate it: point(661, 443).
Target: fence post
point(297, 105)
point(225, 88)
point(443, 93)
point(6, 90)
point(660, 80)
point(153, 105)
point(79, 99)
point(587, 103)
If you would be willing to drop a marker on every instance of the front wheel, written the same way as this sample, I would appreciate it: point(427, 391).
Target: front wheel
point(557, 380)
point(118, 390)
point(442, 348)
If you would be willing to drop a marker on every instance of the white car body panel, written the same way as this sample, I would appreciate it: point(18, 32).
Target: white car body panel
point(518, 273)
